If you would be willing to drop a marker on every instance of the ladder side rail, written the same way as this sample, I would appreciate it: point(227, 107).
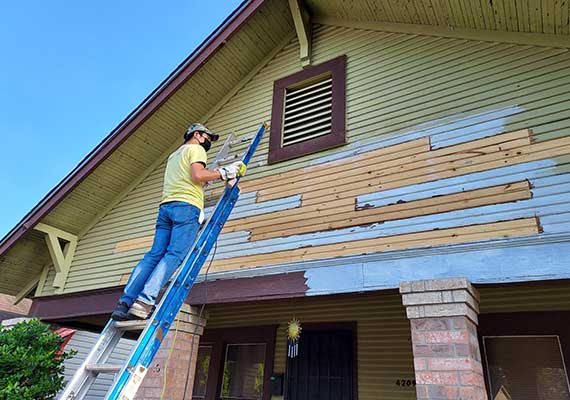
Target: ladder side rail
point(82, 379)
point(253, 145)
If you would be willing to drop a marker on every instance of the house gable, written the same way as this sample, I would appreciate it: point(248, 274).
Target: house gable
point(409, 98)
point(82, 200)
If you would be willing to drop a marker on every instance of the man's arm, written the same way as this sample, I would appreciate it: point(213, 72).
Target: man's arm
point(203, 175)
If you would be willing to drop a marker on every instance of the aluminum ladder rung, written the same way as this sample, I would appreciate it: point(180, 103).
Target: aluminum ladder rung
point(134, 325)
point(240, 140)
point(228, 159)
point(103, 368)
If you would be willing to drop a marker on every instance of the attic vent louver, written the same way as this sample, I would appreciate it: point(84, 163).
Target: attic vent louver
point(308, 111)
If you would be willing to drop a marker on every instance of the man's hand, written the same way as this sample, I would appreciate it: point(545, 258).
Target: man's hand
point(232, 171)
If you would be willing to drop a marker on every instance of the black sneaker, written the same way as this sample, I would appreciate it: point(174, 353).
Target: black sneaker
point(121, 312)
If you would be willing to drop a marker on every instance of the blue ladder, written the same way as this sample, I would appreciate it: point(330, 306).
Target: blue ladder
point(132, 372)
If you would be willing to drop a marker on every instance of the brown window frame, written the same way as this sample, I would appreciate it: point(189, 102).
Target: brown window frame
point(219, 338)
point(542, 323)
point(337, 68)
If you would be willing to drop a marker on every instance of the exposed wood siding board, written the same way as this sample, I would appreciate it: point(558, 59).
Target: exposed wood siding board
point(445, 236)
point(432, 205)
point(420, 164)
point(542, 103)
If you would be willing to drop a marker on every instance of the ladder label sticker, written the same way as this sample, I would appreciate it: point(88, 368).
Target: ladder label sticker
point(134, 382)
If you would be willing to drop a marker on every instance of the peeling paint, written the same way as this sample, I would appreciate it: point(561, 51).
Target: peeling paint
point(445, 131)
point(549, 202)
point(516, 264)
point(456, 184)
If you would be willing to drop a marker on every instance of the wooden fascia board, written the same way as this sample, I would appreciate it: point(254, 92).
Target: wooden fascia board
point(523, 38)
point(302, 20)
point(166, 89)
point(103, 301)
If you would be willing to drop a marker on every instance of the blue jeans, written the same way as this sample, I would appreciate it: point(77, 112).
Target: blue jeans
point(176, 228)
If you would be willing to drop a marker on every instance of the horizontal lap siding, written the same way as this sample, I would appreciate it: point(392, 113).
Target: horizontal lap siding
point(384, 352)
point(399, 88)
point(532, 297)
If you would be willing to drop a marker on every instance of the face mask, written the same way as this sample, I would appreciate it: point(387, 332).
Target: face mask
point(206, 144)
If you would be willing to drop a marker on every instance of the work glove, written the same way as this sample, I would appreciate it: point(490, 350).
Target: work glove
point(232, 171)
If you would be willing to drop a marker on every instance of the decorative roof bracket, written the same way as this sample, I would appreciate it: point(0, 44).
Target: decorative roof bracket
point(60, 256)
point(302, 20)
point(27, 289)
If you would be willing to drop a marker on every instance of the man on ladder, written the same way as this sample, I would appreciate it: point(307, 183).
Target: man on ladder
point(177, 223)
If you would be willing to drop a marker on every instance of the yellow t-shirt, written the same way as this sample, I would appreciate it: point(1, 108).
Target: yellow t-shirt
point(178, 184)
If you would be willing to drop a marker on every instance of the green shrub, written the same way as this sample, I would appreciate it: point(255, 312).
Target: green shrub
point(30, 368)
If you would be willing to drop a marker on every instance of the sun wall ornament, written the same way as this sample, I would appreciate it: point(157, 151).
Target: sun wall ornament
point(293, 334)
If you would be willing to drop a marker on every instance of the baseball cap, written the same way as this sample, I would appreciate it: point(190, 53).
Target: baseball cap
point(202, 128)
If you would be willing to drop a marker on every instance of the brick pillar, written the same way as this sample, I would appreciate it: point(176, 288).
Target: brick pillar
point(443, 317)
point(182, 348)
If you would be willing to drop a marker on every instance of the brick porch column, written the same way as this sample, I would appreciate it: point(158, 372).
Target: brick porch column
point(180, 368)
point(443, 317)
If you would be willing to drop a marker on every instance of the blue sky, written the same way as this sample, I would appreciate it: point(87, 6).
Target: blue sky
point(70, 71)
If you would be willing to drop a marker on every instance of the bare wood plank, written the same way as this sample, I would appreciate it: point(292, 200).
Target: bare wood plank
point(247, 223)
point(389, 172)
point(333, 167)
point(338, 249)
point(539, 151)
point(346, 207)
point(133, 244)
point(459, 201)
point(416, 146)
point(519, 227)
point(330, 203)
point(463, 150)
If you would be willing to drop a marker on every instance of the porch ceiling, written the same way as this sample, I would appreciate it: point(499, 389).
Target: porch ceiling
point(534, 16)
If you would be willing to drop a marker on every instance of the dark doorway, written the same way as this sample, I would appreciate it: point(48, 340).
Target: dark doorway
point(324, 368)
